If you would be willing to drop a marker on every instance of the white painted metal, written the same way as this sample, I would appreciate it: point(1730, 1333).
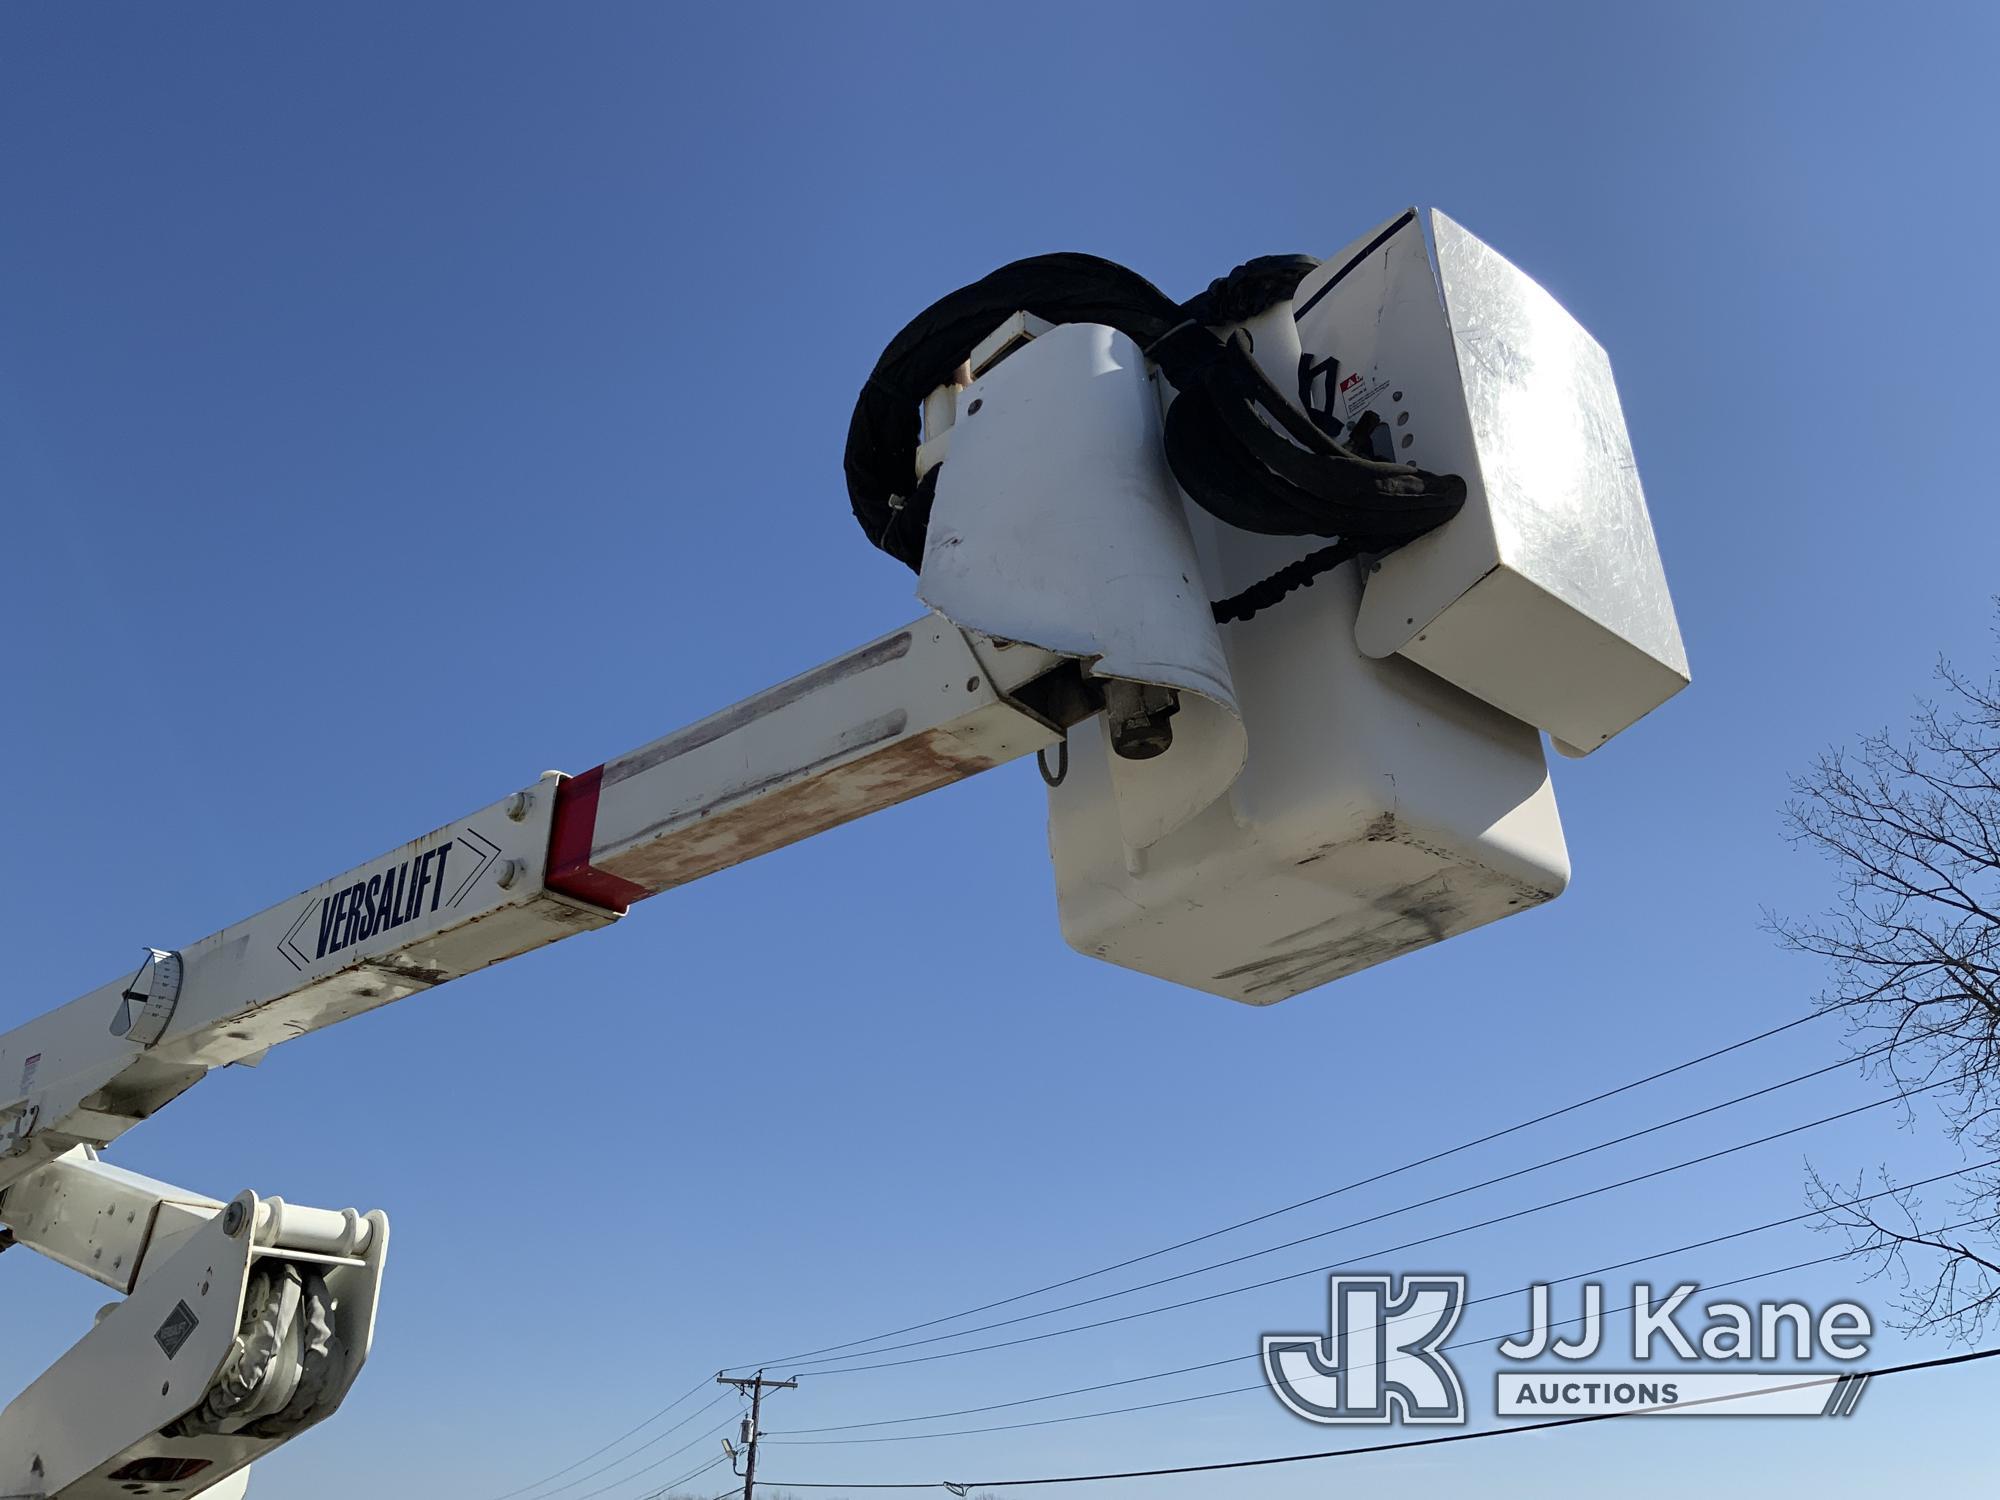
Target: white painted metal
point(1058, 523)
point(941, 405)
point(918, 709)
point(1545, 596)
point(100, 1219)
point(1011, 334)
point(1381, 810)
point(915, 710)
point(940, 411)
point(151, 1359)
point(423, 913)
point(324, 1231)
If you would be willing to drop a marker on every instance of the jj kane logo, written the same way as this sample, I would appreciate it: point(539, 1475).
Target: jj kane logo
point(1385, 1356)
point(1381, 1358)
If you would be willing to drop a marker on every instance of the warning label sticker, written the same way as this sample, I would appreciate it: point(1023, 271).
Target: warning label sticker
point(1358, 388)
point(177, 1330)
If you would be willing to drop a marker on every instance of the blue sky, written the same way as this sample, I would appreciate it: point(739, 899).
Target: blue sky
point(396, 401)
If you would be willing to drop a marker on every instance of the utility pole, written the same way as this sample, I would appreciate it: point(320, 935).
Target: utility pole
point(756, 1386)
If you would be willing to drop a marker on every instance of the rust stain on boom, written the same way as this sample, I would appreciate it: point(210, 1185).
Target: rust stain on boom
point(906, 714)
point(749, 821)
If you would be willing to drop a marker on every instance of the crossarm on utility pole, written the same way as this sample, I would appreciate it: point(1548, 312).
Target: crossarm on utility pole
point(755, 1385)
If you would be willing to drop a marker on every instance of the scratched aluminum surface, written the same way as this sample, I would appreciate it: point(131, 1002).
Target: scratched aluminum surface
point(1562, 485)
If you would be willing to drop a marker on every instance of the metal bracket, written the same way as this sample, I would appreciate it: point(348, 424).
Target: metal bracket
point(19, 1123)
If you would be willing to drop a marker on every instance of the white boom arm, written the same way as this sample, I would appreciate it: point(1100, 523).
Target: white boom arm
point(913, 711)
point(246, 1323)
point(916, 710)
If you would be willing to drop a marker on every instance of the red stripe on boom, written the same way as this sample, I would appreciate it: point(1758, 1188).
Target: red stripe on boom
point(571, 831)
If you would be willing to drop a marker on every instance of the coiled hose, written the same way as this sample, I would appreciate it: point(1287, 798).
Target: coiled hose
point(1236, 445)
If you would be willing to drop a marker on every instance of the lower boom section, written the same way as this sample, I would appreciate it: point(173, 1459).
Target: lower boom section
point(248, 1324)
point(244, 1323)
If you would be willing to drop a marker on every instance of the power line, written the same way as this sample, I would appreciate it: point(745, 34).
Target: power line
point(1213, 1234)
point(1376, 1218)
point(664, 1458)
point(687, 1478)
point(1693, 1161)
point(1235, 1291)
point(666, 1490)
point(1242, 1390)
point(537, 1484)
point(798, 1436)
point(1323, 1234)
point(1216, 1233)
point(1424, 1161)
point(960, 1487)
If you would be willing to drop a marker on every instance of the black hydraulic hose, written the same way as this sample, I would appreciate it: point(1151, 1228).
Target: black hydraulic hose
point(1236, 445)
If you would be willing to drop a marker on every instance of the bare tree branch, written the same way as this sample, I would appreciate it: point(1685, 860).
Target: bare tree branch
point(1912, 945)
